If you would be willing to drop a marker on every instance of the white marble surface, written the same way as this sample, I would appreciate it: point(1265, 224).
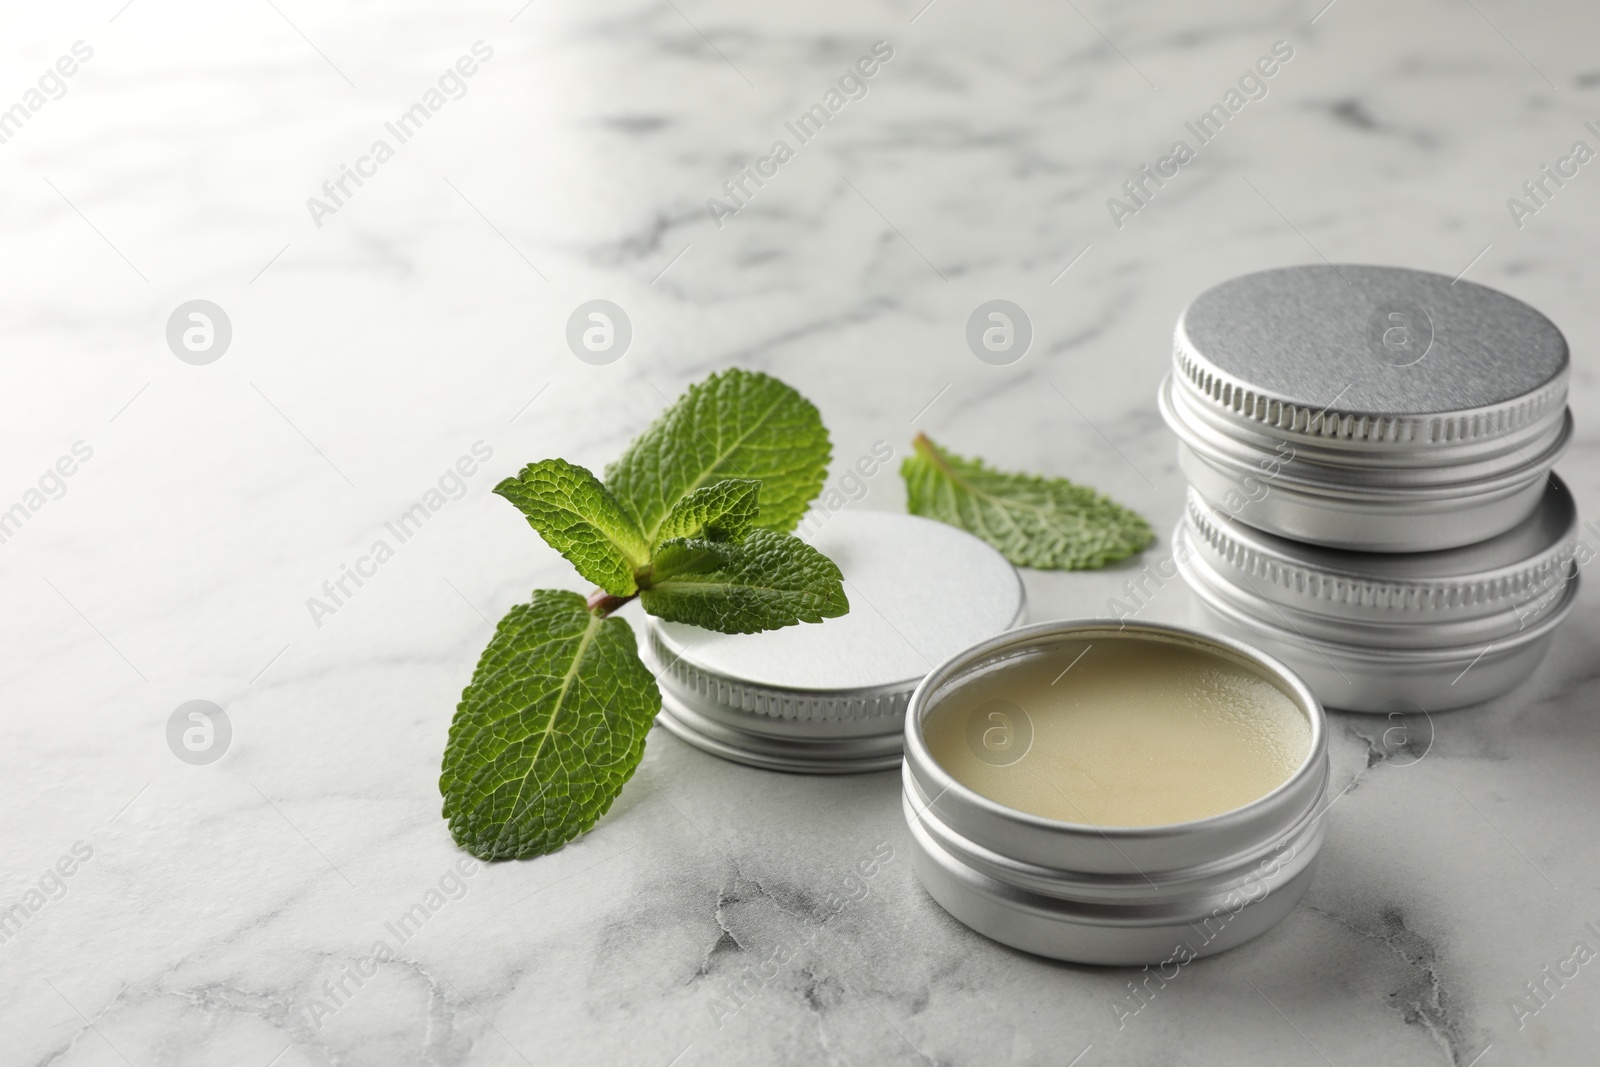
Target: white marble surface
point(427, 313)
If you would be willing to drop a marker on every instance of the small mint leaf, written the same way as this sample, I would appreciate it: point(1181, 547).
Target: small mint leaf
point(722, 512)
point(551, 727)
point(1048, 523)
point(764, 582)
point(579, 518)
point(735, 424)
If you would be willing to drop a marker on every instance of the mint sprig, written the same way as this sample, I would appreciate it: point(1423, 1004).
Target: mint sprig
point(1047, 523)
point(767, 581)
point(735, 424)
point(692, 520)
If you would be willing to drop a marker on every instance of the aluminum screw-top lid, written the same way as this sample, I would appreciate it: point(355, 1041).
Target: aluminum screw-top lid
point(1370, 409)
point(1489, 588)
point(1383, 362)
point(835, 692)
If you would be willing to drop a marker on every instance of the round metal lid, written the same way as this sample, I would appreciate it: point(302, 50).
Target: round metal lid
point(1358, 356)
point(1500, 576)
point(919, 592)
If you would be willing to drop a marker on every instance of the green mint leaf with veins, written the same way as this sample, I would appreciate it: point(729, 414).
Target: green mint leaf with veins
point(766, 581)
point(735, 424)
point(1047, 523)
point(550, 729)
point(579, 518)
point(694, 519)
point(722, 512)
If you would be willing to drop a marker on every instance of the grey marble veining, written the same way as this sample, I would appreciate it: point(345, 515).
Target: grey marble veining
point(222, 909)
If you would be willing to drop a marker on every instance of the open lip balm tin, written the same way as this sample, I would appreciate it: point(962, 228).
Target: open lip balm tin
point(830, 697)
point(1112, 894)
point(1386, 632)
point(1369, 408)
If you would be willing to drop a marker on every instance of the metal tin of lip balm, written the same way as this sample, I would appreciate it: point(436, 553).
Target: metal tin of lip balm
point(1112, 895)
point(830, 697)
point(1369, 408)
point(1387, 632)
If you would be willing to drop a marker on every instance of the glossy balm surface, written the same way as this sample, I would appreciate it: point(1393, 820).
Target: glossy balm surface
point(1120, 731)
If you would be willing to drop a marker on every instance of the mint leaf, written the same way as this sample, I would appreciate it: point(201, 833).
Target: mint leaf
point(736, 424)
point(1048, 523)
point(766, 581)
point(551, 727)
point(724, 511)
point(579, 518)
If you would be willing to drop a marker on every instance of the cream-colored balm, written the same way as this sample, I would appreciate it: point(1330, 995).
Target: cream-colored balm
point(1121, 731)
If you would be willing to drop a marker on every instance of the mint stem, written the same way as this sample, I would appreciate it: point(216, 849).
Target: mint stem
point(602, 603)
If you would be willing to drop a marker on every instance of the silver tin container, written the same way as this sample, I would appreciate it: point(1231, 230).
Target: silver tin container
point(1369, 408)
point(830, 697)
point(1389, 632)
point(1112, 895)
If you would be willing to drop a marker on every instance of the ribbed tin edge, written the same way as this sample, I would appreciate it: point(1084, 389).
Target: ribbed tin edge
point(1390, 473)
point(1376, 678)
point(1551, 614)
point(1332, 591)
point(794, 755)
point(1240, 400)
point(817, 705)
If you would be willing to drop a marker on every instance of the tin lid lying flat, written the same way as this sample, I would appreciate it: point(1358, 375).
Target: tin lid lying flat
point(1495, 581)
point(919, 592)
point(1371, 359)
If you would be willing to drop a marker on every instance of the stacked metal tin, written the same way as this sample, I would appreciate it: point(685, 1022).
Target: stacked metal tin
point(1369, 454)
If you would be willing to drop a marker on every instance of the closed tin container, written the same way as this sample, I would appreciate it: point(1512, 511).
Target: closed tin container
point(830, 697)
point(1384, 632)
point(1370, 408)
point(1112, 895)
